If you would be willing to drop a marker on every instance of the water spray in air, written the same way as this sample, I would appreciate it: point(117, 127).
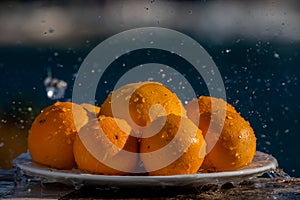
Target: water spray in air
point(55, 88)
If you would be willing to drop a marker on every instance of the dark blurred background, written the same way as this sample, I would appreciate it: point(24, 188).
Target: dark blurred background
point(255, 45)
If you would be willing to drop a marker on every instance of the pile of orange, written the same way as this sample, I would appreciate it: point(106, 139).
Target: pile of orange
point(149, 122)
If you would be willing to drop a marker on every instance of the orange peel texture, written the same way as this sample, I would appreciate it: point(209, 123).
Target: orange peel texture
point(234, 147)
point(107, 148)
point(52, 134)
point(148, 100)
point(189, 146)
point(204, 104)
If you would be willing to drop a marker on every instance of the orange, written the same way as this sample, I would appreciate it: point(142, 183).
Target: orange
point(179, 140)
point(236, 145)
point(203, 104)
point(146, 100)
point(51, 137)
point(102, 140)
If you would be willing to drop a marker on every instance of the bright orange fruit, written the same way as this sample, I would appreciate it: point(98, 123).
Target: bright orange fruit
point(51, 137)
point(147, 101)
point(188, 147)
point(231, 149)
point(204, 104)
point(103, 140)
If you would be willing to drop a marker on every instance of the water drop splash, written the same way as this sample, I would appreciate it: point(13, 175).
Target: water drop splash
point(276, 55)
point(55, 88)
point(278, 173)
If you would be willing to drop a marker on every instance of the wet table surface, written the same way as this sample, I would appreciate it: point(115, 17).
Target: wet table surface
point(16, 187)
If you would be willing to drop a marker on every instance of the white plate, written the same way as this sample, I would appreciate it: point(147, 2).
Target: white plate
point(261, 163)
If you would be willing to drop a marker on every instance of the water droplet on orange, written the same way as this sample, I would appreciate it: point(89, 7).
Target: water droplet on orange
point(135, 99)
point(229, 117)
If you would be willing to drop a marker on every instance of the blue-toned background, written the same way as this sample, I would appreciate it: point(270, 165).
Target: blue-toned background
point(255, 45)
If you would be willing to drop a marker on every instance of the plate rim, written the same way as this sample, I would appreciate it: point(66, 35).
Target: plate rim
point(24, 163)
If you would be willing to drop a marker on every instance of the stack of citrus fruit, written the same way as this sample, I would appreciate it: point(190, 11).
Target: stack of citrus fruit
point(149, 122)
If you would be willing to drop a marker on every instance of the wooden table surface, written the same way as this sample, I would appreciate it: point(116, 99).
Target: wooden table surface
point(257, 188)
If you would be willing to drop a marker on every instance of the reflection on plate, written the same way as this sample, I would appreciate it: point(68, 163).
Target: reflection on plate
point(261, 163)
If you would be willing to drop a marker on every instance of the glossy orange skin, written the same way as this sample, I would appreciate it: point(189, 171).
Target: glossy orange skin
point(117, 140)
point(52, 134)
point(204, 104)
point(235, 146)
point(148, 101)
point(190, 157)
